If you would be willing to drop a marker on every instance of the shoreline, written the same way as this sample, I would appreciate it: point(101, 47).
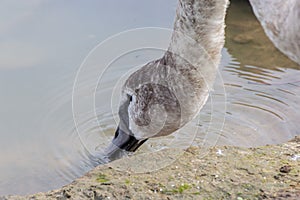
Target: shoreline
point(226, 172)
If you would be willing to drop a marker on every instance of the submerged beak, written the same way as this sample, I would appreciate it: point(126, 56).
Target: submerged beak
point(126, 142)
point(121, 145)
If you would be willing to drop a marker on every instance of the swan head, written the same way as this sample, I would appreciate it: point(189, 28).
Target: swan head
point(156, 100)
point(148, 107)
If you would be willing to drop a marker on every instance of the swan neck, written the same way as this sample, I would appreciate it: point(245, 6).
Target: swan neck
point(198, 30)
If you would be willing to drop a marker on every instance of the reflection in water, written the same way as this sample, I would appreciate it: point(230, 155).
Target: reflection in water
point(261, 84)
point(261, 108)
point(40, 147)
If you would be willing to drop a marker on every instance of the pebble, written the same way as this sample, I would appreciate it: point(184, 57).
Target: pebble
point(220, 152)
point(285, 169)
point(295, 157)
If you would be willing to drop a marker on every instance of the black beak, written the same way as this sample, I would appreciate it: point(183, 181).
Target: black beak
point(121, 145)
point(126, 142)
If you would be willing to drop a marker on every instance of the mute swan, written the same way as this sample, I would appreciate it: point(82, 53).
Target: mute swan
point(280, 20)
point(165, 94)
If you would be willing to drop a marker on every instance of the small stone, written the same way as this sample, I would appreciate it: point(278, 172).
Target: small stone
point(220, 152)
point(242, 39)
point(65, 194)
point(295, 157)
point(276, 177)
point(285, 169)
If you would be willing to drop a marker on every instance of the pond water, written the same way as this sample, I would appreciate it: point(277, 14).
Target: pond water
point(47, 139)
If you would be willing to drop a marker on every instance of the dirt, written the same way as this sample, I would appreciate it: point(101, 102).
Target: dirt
point(268, 172)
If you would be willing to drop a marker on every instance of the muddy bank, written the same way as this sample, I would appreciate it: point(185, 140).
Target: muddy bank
point(269, 172)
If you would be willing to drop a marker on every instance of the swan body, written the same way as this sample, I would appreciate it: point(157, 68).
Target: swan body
point(280, 20)
point(167, 93)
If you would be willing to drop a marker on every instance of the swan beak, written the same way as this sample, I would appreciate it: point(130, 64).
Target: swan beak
point(126, 141)
point(121, 145)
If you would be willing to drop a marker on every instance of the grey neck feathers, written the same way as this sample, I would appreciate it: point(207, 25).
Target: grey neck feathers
point(198, 35)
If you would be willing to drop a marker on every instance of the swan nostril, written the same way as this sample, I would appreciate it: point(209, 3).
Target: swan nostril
point(130, 97)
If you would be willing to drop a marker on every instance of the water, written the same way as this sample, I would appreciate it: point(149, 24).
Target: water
point(43, 43)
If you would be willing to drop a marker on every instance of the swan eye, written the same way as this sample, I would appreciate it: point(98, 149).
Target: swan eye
point(130, 99)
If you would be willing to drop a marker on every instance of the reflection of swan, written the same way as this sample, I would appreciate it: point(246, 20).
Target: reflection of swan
point(165, 94)
point(281, 22)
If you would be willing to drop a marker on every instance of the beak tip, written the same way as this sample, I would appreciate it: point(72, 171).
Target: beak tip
point(126, 141)
point(121, 145)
